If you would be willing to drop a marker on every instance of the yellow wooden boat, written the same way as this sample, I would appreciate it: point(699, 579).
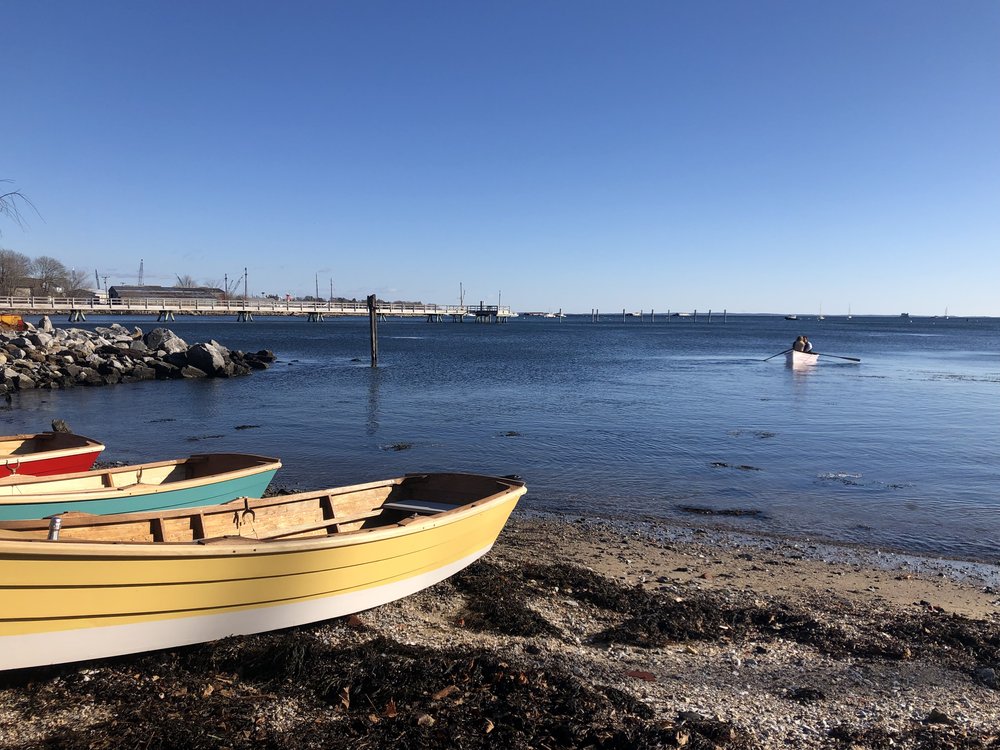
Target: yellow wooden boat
point(80, 586)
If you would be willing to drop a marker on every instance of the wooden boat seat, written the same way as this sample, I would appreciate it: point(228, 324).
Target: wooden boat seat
point(324, 524)
point(422, 507)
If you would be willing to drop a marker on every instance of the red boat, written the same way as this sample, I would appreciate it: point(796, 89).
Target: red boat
point(47, 453)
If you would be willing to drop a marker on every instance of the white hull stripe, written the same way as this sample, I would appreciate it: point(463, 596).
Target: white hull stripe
point(38, 649)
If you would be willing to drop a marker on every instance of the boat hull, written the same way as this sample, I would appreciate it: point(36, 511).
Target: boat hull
point(47, 454)
point(38, 497)
point(72, 601)
point(798, 360)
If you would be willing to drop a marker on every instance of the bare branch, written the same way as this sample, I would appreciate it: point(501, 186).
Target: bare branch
point(10, 209)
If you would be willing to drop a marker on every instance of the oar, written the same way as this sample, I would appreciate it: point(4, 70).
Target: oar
point(778, 354)
point(850, 359)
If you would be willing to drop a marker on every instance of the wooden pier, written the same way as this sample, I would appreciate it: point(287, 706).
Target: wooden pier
point(244, 309)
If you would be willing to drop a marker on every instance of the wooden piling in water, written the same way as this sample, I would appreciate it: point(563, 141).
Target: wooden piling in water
point(373, 327)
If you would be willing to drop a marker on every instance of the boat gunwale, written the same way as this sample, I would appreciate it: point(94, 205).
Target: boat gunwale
point(260, 464)
point(86, 446)
point(239, 545)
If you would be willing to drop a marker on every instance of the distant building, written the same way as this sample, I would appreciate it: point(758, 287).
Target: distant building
point(36, 288)
point(166, 292)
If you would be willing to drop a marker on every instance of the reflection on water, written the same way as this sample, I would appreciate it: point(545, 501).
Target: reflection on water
point(374, 376)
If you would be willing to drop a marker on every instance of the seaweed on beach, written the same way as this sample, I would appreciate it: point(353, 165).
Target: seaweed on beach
point(951, 633)
point(922, 736)
point(586, 586)
point(242, 693)
point(498, 600)
point(654, 619)
point(497, 603)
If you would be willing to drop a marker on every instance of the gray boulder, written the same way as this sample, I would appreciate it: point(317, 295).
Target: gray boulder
point(210, 357)
point(165, 339)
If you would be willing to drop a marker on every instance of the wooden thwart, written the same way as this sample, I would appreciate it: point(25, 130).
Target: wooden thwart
point(324, 524)
point(426, 507)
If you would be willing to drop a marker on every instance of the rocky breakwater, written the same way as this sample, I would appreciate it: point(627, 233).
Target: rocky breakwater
point(48, 357)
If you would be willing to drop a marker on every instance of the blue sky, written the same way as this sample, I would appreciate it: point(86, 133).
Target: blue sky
point(748, 156)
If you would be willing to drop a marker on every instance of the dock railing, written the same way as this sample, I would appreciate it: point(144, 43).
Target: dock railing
point(234, 306)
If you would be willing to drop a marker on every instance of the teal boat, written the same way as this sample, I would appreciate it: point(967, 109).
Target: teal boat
point(201, 479)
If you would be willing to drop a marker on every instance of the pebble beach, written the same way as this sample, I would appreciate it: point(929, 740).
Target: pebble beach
point(578, 633)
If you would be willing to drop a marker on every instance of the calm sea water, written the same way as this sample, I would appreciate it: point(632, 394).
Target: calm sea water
point(633, 419)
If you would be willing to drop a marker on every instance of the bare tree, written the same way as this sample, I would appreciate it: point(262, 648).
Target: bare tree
point(9, 205)
point(186, 281)
point(15, 267)
point(50, 273)
point(77, 283)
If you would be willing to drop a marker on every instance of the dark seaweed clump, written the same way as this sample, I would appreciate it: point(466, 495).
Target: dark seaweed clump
point(374, 695)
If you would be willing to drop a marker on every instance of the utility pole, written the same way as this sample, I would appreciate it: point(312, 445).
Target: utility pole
point(245, 296)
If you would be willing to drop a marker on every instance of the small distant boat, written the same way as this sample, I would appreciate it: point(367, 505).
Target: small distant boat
point(99, 586)
point(46, 453)
point(904, 315)
point(202, 479)
point(791, 317)
point(796, 359)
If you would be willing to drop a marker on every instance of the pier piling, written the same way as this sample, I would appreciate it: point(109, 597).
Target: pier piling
point(373, 328)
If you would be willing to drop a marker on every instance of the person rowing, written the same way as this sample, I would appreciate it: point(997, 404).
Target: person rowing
point(802, 344)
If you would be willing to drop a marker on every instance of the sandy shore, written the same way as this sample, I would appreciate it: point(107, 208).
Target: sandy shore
point(574, 634)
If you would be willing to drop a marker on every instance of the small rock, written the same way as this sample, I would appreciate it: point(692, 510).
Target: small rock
point(938, 717)
point(987, 676)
